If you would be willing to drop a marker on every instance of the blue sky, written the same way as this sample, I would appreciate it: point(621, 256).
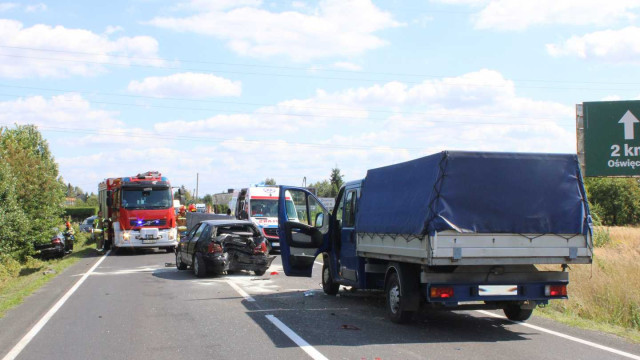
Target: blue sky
point(239, 91)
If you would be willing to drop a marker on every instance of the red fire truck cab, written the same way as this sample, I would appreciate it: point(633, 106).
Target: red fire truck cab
point(139, 211)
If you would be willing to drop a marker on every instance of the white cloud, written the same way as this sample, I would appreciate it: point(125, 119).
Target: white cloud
point(8, 6)
point(347, 66)
point(208, 5)
point(71, 47)
point(189, 85)
point(616, 46)
point(111, 29)
point(35, 7)
point(521, 14)
point(334, 28)
point(355, 129)
point(67, 111)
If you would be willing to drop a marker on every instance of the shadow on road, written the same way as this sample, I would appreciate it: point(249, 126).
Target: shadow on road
point(356, 319)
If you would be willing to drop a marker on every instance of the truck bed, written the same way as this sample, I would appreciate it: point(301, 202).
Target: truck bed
point(453, 248)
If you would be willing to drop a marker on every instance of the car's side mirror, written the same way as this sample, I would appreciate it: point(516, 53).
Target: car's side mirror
point(319, 220)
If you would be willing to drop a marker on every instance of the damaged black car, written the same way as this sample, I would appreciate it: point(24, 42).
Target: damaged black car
point(219, 246)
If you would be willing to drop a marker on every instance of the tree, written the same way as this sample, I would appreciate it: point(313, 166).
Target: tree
point(187, 195)
point(13, 221)
point(39, 191)
point(323, 188)
point(336, 181)
point(270, 181)
point(617, 200)
point(208, 199)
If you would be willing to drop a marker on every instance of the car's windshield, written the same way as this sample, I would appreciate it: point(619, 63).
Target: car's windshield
point(146, 198)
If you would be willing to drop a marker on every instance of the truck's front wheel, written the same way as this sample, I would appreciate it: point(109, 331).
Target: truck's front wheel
point(517, 313)
point(395, 306)
point(329, 287)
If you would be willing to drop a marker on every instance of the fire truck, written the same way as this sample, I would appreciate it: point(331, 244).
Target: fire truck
point(138, 211)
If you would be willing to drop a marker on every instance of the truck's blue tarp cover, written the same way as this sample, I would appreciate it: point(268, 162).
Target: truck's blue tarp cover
point(475, 192)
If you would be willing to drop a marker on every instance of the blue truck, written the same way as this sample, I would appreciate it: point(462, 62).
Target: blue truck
point(453, 230)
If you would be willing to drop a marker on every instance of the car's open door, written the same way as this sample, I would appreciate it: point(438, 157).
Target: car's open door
point(303, 223)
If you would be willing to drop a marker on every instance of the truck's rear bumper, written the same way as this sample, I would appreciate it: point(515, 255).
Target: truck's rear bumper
point(471, 292)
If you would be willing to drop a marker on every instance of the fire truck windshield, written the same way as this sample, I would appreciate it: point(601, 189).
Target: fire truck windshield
point(146, 198)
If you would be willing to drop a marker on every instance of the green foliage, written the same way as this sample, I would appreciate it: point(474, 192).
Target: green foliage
point(188, 197)
point(208, 200)
point(323, 188)
point(336, 181)
point(80, 213)
point(601, 237)
point(616, 201)
point(270, 181)
point(38, 193)
point(13, 221)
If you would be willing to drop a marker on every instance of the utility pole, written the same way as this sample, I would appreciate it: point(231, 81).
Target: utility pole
point(197, 183)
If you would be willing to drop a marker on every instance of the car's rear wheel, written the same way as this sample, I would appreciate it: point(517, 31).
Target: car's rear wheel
point(170, 249)
point(260, 272)
point(199, 267)
point(179, 264)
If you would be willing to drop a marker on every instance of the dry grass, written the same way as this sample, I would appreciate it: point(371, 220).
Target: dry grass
point(607, 292)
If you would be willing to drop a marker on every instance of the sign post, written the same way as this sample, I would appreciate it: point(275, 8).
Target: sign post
point(609, 138)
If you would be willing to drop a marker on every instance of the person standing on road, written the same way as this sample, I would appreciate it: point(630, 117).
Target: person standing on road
point(98, 224)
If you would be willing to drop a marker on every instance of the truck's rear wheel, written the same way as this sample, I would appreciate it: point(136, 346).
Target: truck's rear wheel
point(329, 287)
point(395, 307)
point(517, 313)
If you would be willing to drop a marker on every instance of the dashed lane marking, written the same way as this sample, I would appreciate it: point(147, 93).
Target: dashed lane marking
point(239, 290)
point(310, 350)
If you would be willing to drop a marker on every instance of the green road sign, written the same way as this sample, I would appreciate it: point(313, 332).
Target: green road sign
point(612, 138)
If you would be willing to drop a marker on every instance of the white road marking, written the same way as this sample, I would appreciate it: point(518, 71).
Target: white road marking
point(310, 350)
point(17, 349)
point(565, 336)
point(239, 290)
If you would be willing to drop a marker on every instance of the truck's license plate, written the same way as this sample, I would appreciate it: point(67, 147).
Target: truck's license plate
point(498, 290)
point(148, 241)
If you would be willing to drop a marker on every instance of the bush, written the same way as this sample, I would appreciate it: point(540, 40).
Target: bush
point(9, 267)
point(80, 213)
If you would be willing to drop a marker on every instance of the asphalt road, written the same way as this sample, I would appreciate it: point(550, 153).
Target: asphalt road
point(139, 306)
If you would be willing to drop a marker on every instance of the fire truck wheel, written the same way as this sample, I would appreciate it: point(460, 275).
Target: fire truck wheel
point(170, 249)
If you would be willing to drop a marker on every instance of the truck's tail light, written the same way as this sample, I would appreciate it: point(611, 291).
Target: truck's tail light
point(441, 292)
point(555, 290)
point(214, 248)
point(260, 249)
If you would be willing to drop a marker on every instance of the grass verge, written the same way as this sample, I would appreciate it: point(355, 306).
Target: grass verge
point(604, 296)
point(35, 273)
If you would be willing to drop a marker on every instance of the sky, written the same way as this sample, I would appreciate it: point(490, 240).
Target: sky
point(234, 92)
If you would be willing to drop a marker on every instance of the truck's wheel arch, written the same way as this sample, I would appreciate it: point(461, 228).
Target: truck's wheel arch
point(409, 277)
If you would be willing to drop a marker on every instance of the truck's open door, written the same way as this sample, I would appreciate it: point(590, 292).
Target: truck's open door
point(302, 224)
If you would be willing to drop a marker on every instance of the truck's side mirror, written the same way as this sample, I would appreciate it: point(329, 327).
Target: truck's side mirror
point(109, 198)
point(319, 220)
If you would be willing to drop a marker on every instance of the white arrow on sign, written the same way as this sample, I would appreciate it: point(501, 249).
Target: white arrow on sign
point(628, 119)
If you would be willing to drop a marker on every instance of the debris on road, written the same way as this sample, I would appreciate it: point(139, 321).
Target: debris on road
point(349, 327)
